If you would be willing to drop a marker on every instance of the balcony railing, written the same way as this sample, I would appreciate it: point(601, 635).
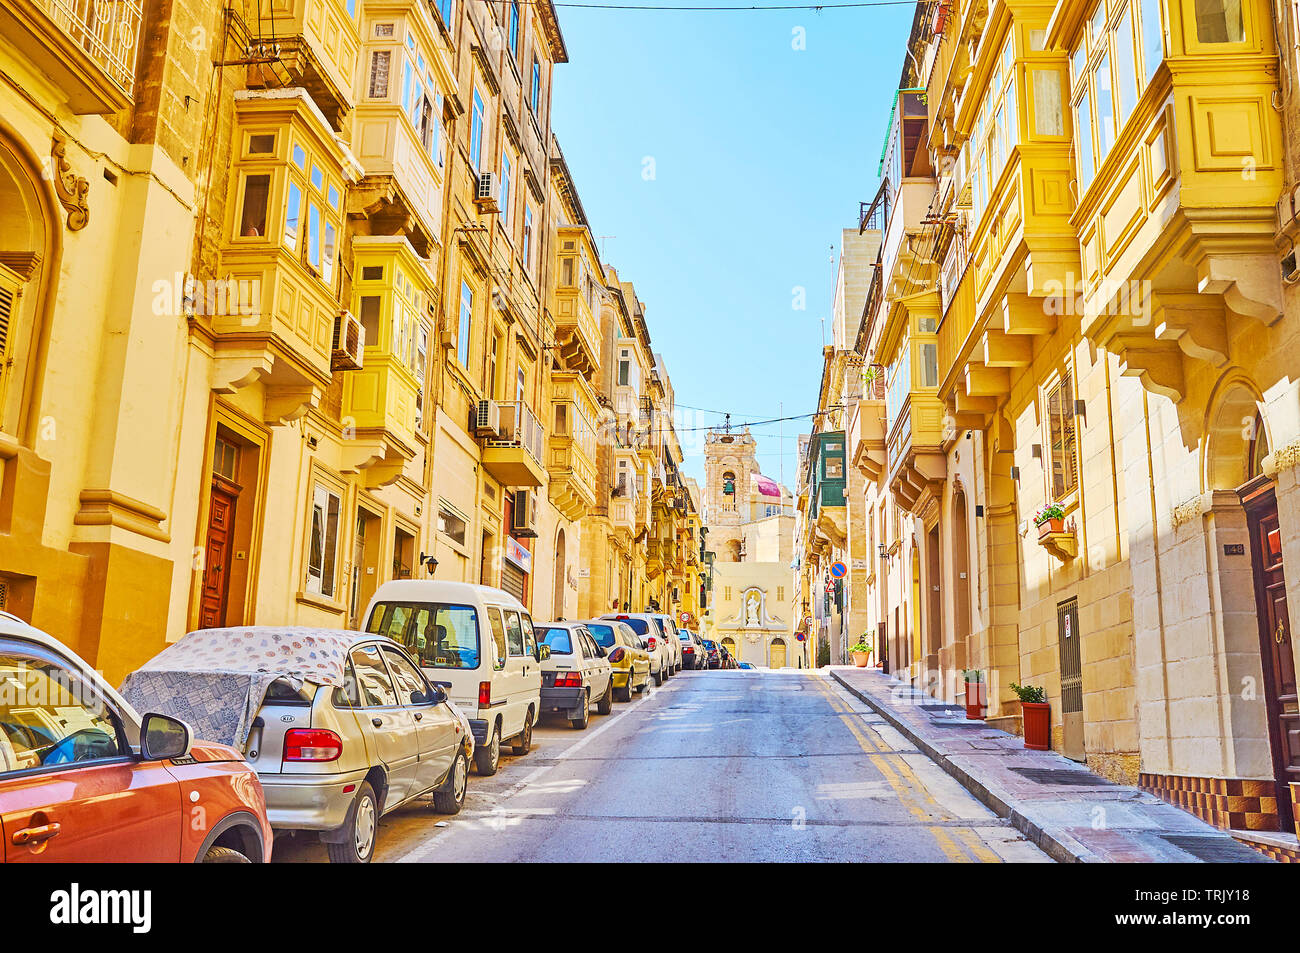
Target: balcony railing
point(875, 214)
point(520, 428)
point(108, 30)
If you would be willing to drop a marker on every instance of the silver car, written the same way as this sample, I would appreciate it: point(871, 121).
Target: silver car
point(350, 730)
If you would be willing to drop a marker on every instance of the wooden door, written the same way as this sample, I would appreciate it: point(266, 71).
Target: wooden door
point(216, 567)
point(778, 653)
point(1277, 653)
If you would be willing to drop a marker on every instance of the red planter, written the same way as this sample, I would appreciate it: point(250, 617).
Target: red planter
point(1038, 725)
point(976, 700)
point(1047, 527)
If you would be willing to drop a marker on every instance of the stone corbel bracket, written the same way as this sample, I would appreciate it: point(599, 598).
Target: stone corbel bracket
point(71, 188)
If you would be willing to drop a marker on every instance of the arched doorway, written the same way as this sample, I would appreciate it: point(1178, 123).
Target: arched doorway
point(729, 644)
point(557, 604)
point(1238, 441)
point(776, 653)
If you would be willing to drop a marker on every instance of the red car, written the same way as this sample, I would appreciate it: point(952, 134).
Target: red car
point(83, 778)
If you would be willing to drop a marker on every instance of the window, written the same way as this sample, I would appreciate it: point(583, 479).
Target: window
point(536, 98)
point(252, 220)
point(603, 635)
point(476, 133)
point(379, 62)
point(514, 633)
point(624, 368)
point(557, 640)
point(498, 638)
point(225, 459)
point(505, 188)
point(292, 215)
point(410, 684)
point(263, 144)
point(466, 320)
point(440, 635)
point(322, 546)
point(528, 236)
point(1153, 37)
point(373, 686)
point(444, 10)
point(1048, 117)
point(50, 715)
point(451, 525)
point(996, 131)
point(514, 30)
point(1061, 437)
point(1219, 21)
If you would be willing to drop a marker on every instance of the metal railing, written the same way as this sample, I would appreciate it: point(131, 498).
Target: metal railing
point(875, 214)
point(108, 30)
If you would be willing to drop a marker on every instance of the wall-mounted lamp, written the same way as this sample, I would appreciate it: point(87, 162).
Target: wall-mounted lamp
point(429, 563)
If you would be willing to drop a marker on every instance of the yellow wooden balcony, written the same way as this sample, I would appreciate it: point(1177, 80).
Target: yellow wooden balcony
point(311, 44)
point(87, 47)
point(622, 513)
point(571, 447)
point(272, 312)
point(575, 304)
point(515, 457)
point(866, 431)
point(916, 465)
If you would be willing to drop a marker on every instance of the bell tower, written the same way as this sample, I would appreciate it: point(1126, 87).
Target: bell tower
point(730, 465)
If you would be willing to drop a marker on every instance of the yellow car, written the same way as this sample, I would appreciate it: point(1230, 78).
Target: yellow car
point(627, 656)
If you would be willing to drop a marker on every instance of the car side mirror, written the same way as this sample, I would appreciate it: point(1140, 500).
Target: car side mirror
point(163, 737)
point(436, 695)
point(543, 653)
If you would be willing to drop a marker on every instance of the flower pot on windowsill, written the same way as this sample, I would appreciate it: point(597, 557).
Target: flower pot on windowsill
point(1050, 526)
point(976, 700)
point(1038, 725)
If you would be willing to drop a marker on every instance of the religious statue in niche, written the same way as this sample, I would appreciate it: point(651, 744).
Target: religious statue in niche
point(752, 609)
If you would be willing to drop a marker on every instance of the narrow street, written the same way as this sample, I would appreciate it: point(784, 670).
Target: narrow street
point(714, 766)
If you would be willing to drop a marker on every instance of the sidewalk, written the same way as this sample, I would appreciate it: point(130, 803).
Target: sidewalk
point(1069, 812)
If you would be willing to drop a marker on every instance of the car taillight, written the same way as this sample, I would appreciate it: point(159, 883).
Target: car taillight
point(312, 744)
point(689, 649)
point(651, 642)
point(616, 656)
point(568, 679)
point(484, 694)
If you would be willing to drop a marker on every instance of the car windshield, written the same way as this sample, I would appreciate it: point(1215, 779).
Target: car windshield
point(557, 639)
point(603, 634)
point(440, 635)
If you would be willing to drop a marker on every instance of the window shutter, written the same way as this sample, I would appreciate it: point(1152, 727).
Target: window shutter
point(9, 286)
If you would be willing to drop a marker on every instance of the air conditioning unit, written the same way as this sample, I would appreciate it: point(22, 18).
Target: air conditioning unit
point(485, 197)
point(487, 419)
point(349, 342)
point(524, 522)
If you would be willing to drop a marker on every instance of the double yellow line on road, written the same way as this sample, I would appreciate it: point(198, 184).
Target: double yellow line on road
point(912, 792)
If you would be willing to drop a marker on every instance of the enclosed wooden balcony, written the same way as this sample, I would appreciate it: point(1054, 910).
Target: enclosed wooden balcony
point(916, 464)
point(577, 329)
point(571, 447)
point(86, 47)
point(515, 458)
point(867, 422)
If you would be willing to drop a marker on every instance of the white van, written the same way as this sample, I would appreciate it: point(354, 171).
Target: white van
point(477, 642)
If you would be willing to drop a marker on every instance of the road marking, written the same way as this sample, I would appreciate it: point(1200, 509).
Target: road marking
point(949, 846)
point(977, 847)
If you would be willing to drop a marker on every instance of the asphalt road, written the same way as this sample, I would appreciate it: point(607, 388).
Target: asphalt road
point(713, 766)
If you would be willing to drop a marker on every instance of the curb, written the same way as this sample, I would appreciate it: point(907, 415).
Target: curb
point(1060, 848)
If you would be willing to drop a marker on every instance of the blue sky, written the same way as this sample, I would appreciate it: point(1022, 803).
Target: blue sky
point(761, 154)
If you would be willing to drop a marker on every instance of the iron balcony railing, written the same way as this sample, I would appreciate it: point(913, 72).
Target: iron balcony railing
point(875, 214)
point(108, 30)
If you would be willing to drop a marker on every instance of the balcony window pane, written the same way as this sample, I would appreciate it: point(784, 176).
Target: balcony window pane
point(262, 144)
point(299, 156)
point(317, 178)
point(1153, 37)
point(370, 320)
point(1105, 109)
point(313, 235)
point(929, 364)
point(476, 133)
point(292, 213)
point(379, 62)
point(334, 198)
point(466, 317)
point(252, 223)
point(327, 264)
point(1219, 21)
point(1083, 141)
point(1048, 118)
point(1060, 414)
point(1126, 65)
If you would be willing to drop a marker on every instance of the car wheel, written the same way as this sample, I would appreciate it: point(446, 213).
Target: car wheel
point(581, 721)
point(449, 798)
point(488, 758)
point(224, 855)
point(659, 677)
point(625, 693)
point(524, 743)
point(358, 844)
point(606, 702)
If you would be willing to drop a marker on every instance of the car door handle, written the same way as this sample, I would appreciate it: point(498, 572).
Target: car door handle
point(35, 835)
point(377, 722)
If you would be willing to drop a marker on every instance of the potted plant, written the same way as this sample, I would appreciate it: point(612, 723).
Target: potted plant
point(976, 693)
point(1050, 519)
point(862, 651)
point(1038, 716)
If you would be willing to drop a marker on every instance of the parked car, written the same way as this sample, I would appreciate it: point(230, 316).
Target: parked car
point(745, 665)
point(669, 629)
point(345, 727)
point(694, 655)
point(627, 655)
point(712, 654)
point(575, 673)
point(643, 624)
point(85, 779)
point(728, 660)
point(478, 643)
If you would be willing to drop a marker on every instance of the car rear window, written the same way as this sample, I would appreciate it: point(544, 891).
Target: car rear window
point(603, 634)
point(440, 635)
point(557, 639)
point(710, 645)
point(639, 626)
point(683, 635)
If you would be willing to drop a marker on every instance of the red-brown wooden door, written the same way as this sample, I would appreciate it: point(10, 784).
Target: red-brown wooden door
point(1276, 649)
point(216, 571)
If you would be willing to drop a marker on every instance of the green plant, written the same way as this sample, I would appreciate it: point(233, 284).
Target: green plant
point(823, 652)
point(860, 647)
point(1050, 511)
point(1033, 694)
point(972, 675)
